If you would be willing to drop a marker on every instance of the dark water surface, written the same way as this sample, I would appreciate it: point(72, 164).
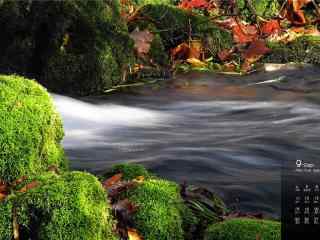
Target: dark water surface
point(221, 132)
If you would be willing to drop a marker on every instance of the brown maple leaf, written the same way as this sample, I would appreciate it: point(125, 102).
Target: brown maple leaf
point(294, 13)
point(270, 27)
point(255, 51)
point(134, 235)
point(108, 183)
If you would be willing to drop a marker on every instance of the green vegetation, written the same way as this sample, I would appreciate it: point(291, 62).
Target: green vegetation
point(30, 129)
point(161, 213)
point(305, 49)
point(262, 8)
point(129, 170)
point(145, 2)
point(244, 229)
point(160, 210)
point(71, 206)
point(174, 25)
point(6, 220)
point(75, 47)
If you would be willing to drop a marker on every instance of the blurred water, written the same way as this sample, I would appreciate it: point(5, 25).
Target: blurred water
point(231, 143)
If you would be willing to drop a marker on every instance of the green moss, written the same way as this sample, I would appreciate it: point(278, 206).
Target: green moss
point(6, 220)
point(173, 25)
point(158, 52)
point(160, 210)
point(145, 2)
point(303, 50)
point(130, 171)
point(244, 229)
point(71, 206)
point(30, 129)
point(263, 8)
point(75, 47)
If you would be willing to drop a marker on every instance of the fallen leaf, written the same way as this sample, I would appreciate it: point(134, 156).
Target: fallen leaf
point(226, 54)
point(112, 180)
point(180, 52)
point(228, 23)
point(196, 62)
point(142, 41)
point(294, 13)
point(255, 51)
point(3, 196)
point(244, 33)
point(312, 32)
point(139, 179)
point(196, 49)
point(19, 180)
point(29, 186)
point(229, 67)
point(270, 27)
point(194, 4)
point(298, 4)
point(133, 234)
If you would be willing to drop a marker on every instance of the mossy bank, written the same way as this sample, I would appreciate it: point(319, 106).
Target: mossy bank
point(73, 47)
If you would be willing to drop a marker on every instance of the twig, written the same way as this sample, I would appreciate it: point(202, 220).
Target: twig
point(316, 7)
point(284, 4)
point(15, 224)
point(138, 84)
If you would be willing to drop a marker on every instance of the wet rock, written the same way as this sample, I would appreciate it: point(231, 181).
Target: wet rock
point(73, 47)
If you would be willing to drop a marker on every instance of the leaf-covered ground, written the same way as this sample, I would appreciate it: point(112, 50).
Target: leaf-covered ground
point(257, 27)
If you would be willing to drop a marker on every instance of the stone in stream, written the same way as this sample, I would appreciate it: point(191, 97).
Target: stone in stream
point(70, 206)
point(31, 130)
point(161, 212)
point(244, 229)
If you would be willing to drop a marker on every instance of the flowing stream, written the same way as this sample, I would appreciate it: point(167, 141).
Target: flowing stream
point(227, 133)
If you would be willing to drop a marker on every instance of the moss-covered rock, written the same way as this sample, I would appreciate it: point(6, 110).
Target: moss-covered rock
point(30, 129)
point(159, 216)
point(244, 229)
point(75, 47)
point(129, 170)
point(263, 8)
point(305, 49)
point(161, 212)
point(174, 24)
point(70, 206)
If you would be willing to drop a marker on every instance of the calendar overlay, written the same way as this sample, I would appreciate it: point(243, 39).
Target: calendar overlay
point(301, 200)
